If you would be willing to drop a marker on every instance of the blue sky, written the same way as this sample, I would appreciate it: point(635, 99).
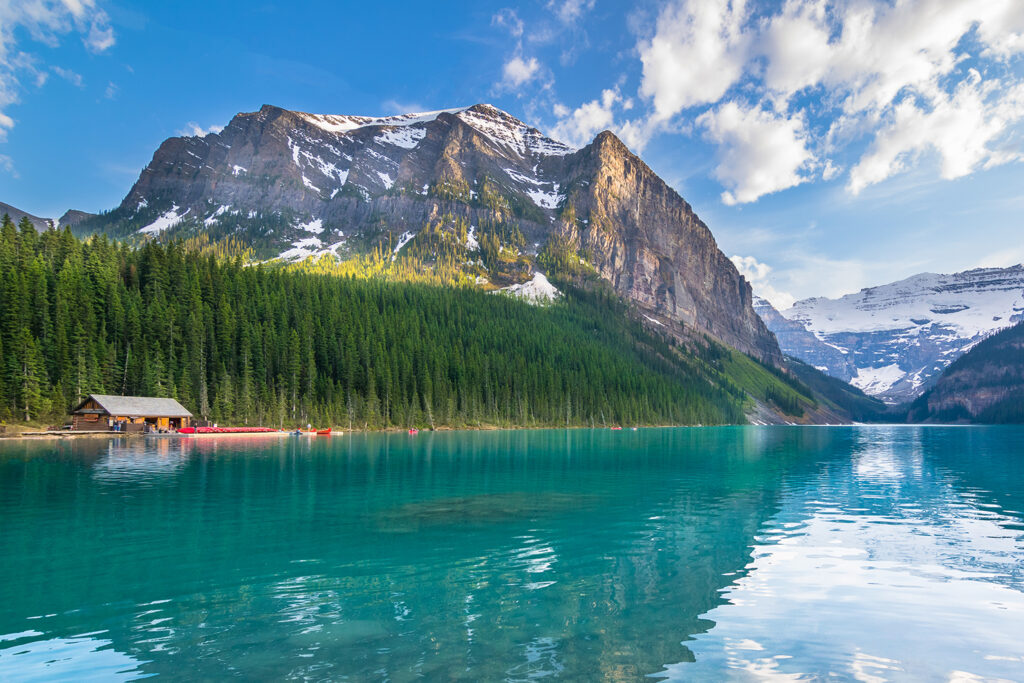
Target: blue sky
point(829, 144)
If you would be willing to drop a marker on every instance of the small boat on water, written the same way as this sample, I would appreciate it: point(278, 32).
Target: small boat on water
point(323, 432)
point(616, 429)
point(414, 431)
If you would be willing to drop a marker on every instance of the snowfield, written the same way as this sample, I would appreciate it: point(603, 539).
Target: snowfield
point(166, 220)
point(536, 291)
point(903, 334)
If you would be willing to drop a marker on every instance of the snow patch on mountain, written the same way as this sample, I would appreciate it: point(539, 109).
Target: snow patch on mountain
point(346, 124)
point(505, 131)
point(166, 220)
point(385, 179)
point(535, 291)
point(301, 249)
point(402, 241)
point(315, 226)
point(877, 380)
point(546, 200)
point(405, 137)
point(212, 218)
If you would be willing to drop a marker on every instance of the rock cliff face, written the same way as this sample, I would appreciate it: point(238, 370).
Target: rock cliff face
point(294, 184)
point(799, 342)
point(648, 243)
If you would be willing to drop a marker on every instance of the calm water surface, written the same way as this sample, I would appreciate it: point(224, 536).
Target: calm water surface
point(863, 553)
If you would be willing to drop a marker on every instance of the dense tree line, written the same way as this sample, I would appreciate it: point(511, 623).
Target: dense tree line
point(985, 385)
point(261, 344)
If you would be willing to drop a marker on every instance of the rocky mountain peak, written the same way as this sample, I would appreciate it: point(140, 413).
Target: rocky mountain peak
point(297, 184)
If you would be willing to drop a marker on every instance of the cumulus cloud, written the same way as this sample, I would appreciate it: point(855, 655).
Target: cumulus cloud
point(581, 125)
point(758, 274)
point(760, 152)
point(43, 21)
point(193, 129)
point(960, 128)
point(518, 71)
point(697, 53)
point(861, 88)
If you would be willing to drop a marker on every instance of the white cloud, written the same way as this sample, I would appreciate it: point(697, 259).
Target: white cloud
point(887, 68)
point(696, 55)
point(7, 164)
point(70, 76)
point(518, 71)
point(510, 21)
point(193, 129)
point(758, 274)
point(1002, 258)
point(759, 152)
point(569, 11)
point(960, 128)
point(111, 90)
point(101, 36)
point(880, 80)
point(43, 21)
point(393, 106)
point(589, 119)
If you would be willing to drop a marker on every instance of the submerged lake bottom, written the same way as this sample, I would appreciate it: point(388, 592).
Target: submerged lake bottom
point(739, 553)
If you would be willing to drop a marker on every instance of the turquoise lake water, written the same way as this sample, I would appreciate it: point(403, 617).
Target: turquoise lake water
point(747, 553)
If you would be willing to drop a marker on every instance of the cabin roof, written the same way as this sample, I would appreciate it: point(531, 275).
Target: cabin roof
point(137, 406)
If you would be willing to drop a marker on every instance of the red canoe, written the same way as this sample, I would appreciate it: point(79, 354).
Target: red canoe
point(323, 432)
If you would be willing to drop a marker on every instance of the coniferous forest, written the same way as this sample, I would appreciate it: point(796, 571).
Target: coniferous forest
point(260, 344)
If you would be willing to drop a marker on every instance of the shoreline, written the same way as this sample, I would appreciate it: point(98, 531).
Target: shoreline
point(53, 436)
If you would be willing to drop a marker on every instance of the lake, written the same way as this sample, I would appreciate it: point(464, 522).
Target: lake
point(742, 553)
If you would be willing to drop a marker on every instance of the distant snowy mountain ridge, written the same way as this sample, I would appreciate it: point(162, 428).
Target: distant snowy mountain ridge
point(894, 340)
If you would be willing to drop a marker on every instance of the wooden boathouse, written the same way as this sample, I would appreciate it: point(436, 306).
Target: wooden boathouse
point(101, 412)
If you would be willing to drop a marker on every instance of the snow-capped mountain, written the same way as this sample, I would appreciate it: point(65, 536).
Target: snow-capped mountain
point(304, 184)
point(293, 185)
point(893, 341)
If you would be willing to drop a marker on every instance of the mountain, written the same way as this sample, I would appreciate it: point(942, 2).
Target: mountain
point(893, 341)
point(73, 217)
point(292, 185)
point(798, 342)
point(17, 214)
point(984, 385)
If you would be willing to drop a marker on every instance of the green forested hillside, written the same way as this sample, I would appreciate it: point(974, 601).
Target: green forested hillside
point(845, 398)
point(263, 344)
point(985, 385)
